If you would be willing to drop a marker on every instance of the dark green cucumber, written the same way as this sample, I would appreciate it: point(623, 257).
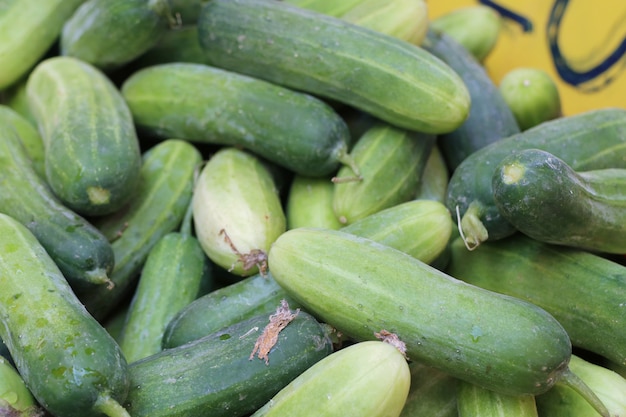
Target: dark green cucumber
point(310, 203)
point(79, 249)
point(220, 374)
point(170, 280)
point(396, 81)
point(490, 117)
point(30, 137)
point(158, 208)
point(178, 44)
point(432, 393)
point(111, 33)
point(587, 141)
point(585, 292)
point(69, 362)
point(92, 153)
point(360, 287)
point(391, 161)
point(209, 105)
point(546, 199)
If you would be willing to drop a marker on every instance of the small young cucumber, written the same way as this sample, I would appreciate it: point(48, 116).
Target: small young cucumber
point(432, 393)
point(170, 279)
point(310, 203)
point(587, 141)
point(435, 177)
point(204, 104)
point(391, 161)
point(16, 400)
point(92, 153)
point(359, 286)
point(473, 401)
point(366, 379)
point(30, 137)
point(396, 81)
point(220, 374)
point(583, 291)
point(237, 211)
point(67, 359)
point(158, 208)
point(28, 28)
point(111, 33)
point(83, 254)
point(545, 198)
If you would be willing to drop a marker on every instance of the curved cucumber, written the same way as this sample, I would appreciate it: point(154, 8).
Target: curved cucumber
point(72, 366)
point(396, 81)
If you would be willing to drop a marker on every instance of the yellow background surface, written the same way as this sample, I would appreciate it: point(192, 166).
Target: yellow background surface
point(589, 32)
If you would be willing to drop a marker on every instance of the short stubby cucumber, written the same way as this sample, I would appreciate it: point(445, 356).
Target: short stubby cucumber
point(92, 155)
point(392, 79)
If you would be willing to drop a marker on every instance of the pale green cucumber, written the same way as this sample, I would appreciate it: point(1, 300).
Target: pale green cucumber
point(16, 400)
point(473, 400)
point(434, 180)
point(310, 203)
point(237, 211)
point(30, 137)
point(432, 393)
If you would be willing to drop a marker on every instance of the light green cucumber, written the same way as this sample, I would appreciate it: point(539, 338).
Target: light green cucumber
point(30, 137)
point(310, 203)
point(368, 379)
point(473, 400)
point(237, 211)
point(158, 208)
point(434, 181)
point(391, 162)
point(15, 398)
point(92, 155)
point(433, 393)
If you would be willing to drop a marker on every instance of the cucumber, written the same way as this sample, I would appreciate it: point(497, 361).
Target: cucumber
point(456, 327)
point(310, 203)
point(92, 153)
point(490, 118)
point(170, 279)
point(587, 141)
point(179, 44)
point(15, 398)
point(396, 81)
point(110, 33)
point(237, 211)
point(391, 162)
point(82, 253)
point(218, 376)
point(583, 291)
point(67, 359)
point(432, 393)
point(158, 208)
point(435, 178)
point(473, 400)
point(28, 29)
point(546, 199)
point(30, 137)
point(368, 379)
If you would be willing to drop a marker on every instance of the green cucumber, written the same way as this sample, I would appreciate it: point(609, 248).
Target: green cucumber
point(359, 287)
point(31, 139)
point(367, 379)
point(28, 29)
point(92, 153)
point(546, 199)
point(16, 400)
point(473, 400)
point(391, 161)
point(178, 44)
point(170, 279)
point(237, 211)
point(396, 81)
point(68, 361)
point(209, 105)
point(110, 33)
point(158, 208)
point(435, 177)
point(82, 253)
point(432, 393)
point(583, 291)
point(490, 118)
point(218, 374)
point(310, 203)
point(587, 141)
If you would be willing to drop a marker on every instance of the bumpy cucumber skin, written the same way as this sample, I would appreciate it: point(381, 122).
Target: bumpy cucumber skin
point(544, 198)
point(158, 208)
point(111, 33)
point(92, 153)
point(28, 28)
point(255, 295)
point(360, 287)
point(490, 118)
point(391, 162)
point(473, 400)
point(396, 81)
point(587, 141)
point(216, 375)
point(369, 379)
point(66, 358)
point(237, 210)
point(583, 291)
point(209, 105)
point(83, 254)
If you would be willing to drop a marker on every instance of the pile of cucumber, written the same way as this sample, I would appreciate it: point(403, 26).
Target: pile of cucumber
point(236, 208)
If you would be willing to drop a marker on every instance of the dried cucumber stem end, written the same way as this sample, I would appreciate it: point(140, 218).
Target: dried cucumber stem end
point(108, 406)
point(99, 276)
point(393, 340)
point(256, 257)
point(98, 195)
point(277, 322)
point(471, 229)
point(571, 380)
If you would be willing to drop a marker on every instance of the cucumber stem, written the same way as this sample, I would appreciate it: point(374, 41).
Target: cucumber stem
point(185, 228)
point(344, 157)
point(108, 406)
point(573, 381)
point(471, 229)
point(99, 276)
